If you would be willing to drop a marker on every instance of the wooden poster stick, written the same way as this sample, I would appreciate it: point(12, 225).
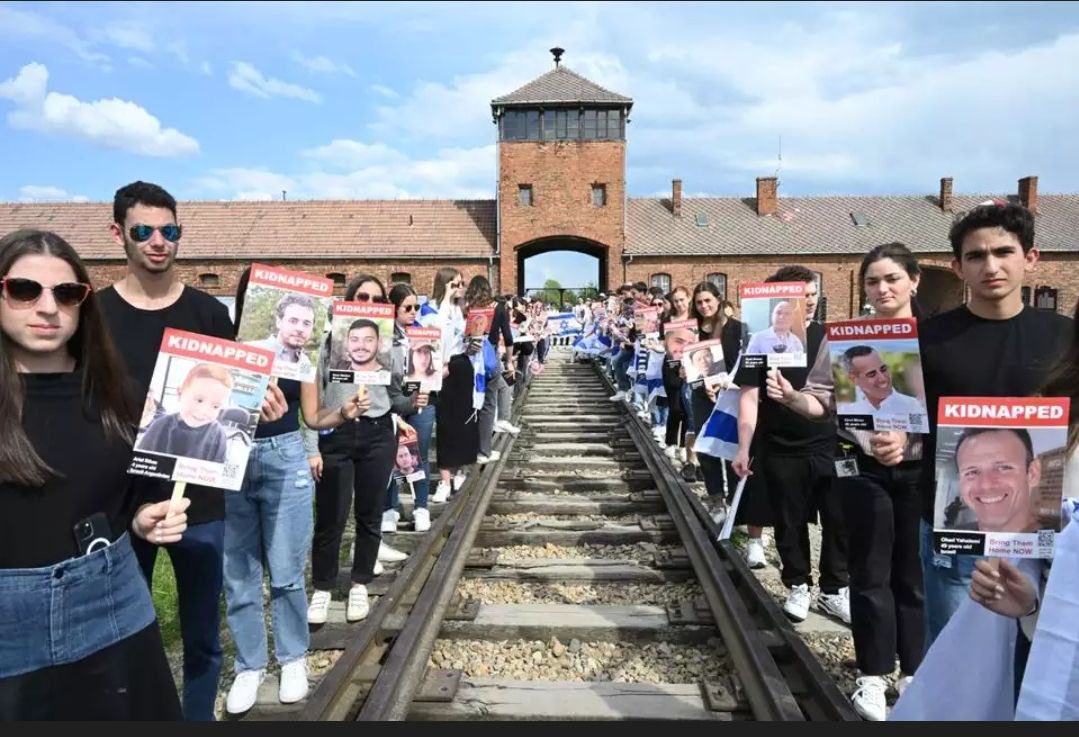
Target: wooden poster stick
point(178, 489)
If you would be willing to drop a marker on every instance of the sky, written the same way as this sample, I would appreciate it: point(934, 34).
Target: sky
point(335, 100)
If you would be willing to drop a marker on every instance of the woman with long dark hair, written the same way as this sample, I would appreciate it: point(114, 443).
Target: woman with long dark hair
point(269, 519)
point(498, 397)
point(357, 459)
point(458, 429)
point(423, 417)
point(78, 636)
point(881, 504)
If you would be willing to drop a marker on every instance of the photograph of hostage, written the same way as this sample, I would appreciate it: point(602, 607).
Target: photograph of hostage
point(294, 320)
point(876, 393)
point(362, 347)
point(421, 363)
point(998, 474)
point(194, 431)
point(779, 337)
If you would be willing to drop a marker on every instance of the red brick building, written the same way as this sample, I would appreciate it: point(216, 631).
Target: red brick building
point(562, 186)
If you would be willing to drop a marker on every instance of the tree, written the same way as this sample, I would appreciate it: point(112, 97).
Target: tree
point(551, 293)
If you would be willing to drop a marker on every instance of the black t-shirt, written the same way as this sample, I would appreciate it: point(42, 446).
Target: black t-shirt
point(137, 334)
point(290, 421)
point(36, 523)
point(964, 355)
point(781, 430)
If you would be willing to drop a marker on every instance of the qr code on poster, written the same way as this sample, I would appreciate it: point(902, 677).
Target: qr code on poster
point(1045, 542)
point(232, 470)
point(917, 419)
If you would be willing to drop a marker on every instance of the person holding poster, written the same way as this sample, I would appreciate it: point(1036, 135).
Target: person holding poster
point(496, 341)
point(149, 299)
point(291, 308)
point(877, 479)
point(78, 637)
point(423, 390)
point(357, 459)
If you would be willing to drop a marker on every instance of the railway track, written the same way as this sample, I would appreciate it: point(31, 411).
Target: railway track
point(574, 578)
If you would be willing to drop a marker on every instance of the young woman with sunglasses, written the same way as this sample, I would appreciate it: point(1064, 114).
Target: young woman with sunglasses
point(403, 298)
point(357, 458)
point(881, 504)
point(78, 635)
point(269, 519)
point(458, 436)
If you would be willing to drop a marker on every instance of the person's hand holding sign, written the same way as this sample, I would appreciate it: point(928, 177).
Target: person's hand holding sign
point(274, 404)
point(1000, 587)
point(888, 447)
point(356, 405)
point(153, 523)
point(779, 389)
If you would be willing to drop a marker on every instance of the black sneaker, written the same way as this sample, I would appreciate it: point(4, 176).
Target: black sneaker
point(689, 472)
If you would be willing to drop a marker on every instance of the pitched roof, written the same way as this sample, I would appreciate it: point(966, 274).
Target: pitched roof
point(561, 85)
point(298, 229)
point(821, 225)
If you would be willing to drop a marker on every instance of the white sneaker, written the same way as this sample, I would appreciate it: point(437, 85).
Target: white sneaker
point(484, 460)
point(379, 569)
point(293, 681)
point(755, 554)
point(838, 605)
point(358, 606)
point(388, 554)
point(442, 492)
point(319, 608)
point(796, 606)
point(421, 519)
point(671, 451)
point(459, 480)
point(507, 426)
point(618, 396)
point(389, 520)
point(244, 691)
point(902, 683)
point(868, 700)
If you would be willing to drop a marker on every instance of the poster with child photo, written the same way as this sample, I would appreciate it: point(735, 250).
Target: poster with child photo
point(201, 410)
point(285, 312)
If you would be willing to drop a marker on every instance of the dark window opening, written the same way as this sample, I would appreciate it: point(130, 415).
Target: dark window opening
point(400, 277)
point(719, 281)
point(209, 281)
point(663, 281)
point(524, 195)
point(599, 195)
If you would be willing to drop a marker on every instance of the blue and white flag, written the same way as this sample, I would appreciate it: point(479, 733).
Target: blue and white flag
point(719, 436)
point(564, 323)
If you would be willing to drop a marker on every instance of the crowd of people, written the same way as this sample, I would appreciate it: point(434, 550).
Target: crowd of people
point(877, 569)
point(80, 638)
point(78, 631)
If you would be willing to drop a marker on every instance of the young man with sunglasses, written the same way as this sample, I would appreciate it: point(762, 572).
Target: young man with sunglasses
point(138, 309)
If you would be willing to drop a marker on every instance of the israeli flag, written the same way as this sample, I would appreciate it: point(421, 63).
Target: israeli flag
point(719, 436)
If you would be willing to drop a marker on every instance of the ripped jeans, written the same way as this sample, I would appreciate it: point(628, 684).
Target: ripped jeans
point(269, 516)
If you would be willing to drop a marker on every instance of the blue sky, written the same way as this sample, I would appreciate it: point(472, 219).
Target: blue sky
point(333, 100)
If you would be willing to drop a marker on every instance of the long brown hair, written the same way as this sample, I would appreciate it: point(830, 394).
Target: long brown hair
point(442, 278)
point(721, 316)
point(1063, 381)
point(104, 389)
point(478, 293)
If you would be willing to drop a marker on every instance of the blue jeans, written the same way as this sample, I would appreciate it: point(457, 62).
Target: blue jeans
point(947, 583)
point(659, 414)
point(687, 407)
point(197, 565)
point(269, 517)
point(424, 422)
point(621, 365)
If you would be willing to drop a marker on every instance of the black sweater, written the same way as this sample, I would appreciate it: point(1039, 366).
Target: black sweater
point(36, 523)
point(169, 434)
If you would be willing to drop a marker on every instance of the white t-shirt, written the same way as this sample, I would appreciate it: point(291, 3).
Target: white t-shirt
point(765, 341)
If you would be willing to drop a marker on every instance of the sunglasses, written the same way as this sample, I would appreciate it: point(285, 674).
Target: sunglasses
point(410, 308)
point(27, 292)
point(457, 284)
point(362, 297)
point(140, 233)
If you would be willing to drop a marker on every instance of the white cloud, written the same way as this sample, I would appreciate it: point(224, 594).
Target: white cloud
point(138, 61)
point(246, 78)
point(385, 91)
point(111, 122)
point(24, 24)
point(364, 171)
point(206, 68)
point(40, 193)
point(128, 34)
point(322, 64)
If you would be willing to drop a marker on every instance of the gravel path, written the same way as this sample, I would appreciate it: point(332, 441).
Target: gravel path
point(642, 552)
point(515, 592)
point(616, 519)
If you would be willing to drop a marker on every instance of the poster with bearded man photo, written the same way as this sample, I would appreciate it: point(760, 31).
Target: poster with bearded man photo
point(1000, 475)
point(362, 336)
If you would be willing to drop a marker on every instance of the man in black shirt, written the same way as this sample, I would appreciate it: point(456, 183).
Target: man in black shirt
point(138, 309)
point(794, 455)
point(992, 346)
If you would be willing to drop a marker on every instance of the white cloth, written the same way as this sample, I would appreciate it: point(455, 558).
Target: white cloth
point(765, 341)
point(895, 405)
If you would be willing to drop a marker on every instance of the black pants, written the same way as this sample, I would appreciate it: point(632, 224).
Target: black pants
point(798, 486)
point(357, 459)
point(882, 508)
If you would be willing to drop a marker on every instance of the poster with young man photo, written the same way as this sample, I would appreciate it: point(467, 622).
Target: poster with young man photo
point(360, 343)
point(201, 410)
point(285, 313)
point(1000, 475)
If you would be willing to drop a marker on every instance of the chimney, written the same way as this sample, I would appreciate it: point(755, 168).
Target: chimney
point(767, 203)
point(676, 197)
point(946, 194)
point(1028, 193)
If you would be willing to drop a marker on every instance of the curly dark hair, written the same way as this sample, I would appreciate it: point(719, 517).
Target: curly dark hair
point(1013, 218)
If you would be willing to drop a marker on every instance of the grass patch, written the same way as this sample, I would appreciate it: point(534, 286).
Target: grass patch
point(166, 602)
